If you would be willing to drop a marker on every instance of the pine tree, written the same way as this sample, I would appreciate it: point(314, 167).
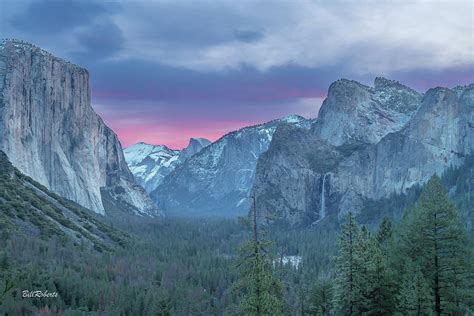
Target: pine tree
point(364, 267)
point(346, 286)
point(446, 244)
point(437, 242)
point(405, 245)
point(384, 233)
point(381, 277)
point(321, 298)
point(162, 303)
point(380, 283)
point(415, 295)
point(260, 293)
point(364, 282)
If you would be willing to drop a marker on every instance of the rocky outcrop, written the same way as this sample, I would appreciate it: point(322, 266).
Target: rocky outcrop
point(217, 180)
point(150, 164)
point(290, 176)
point(51, 133)
point(440, 135)
point(195, 145)
point(366, 144)
point(357, 114)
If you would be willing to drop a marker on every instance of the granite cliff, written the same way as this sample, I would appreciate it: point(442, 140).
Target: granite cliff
point(217, 179)
point(366, 144)
point(51, 133)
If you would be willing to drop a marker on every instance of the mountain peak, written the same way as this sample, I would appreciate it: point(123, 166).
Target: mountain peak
point(21, 47)
point(200, 140)
point(293, 118)
point(15, 41)
point(194, 146)
point(356, 113)
point(381, 83)
point(147, 145)
point(394, 96)
point(150, 164)
point(345, 85)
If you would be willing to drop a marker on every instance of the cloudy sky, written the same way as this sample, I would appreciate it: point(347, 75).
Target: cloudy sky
point(164, 71)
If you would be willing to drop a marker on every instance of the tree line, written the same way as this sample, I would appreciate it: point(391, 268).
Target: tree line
point(422, 266)
point(419, 265)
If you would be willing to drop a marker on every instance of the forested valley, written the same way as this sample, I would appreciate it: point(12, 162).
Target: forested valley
point(420, 265)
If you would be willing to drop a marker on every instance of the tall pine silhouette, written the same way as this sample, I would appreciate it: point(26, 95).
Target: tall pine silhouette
point(422, 267)
point(259, 291)
point(439, 263)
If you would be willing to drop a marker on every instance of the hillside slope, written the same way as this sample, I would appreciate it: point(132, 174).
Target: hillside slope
point(29, 207)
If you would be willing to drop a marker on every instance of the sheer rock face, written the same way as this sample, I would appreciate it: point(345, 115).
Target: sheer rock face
point(420, 136)
point(289, 177)
point(354, 113)
point(439, 135)
point(217, 180)
point(51, 133)
point(195, 145)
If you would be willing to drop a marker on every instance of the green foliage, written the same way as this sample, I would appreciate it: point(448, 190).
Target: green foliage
point(321, 298)
point(258, 291)
point(384, 233)
point(29, 205)
point(163, 303)
point(188, 267)
point(347, 272)
point(414, 296)
point(422, 267)
point(437, 242)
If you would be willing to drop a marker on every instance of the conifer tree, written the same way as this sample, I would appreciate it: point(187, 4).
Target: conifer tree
point(346, 284)
point(381, 289)
point(321, 298)
point(437, 242)
point(364, 266)
point(162, 303)
point(384, 233)
point(415, 294)
point(260, 293)
point(364, 283)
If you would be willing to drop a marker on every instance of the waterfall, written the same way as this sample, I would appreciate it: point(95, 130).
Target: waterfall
point(322, 214)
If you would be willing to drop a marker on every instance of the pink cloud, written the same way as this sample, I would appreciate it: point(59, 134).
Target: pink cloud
point(173, 124)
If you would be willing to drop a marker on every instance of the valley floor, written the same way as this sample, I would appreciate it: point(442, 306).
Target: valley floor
point(184, 264)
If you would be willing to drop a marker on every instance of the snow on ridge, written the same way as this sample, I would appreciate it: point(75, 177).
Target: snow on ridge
point(150, 164)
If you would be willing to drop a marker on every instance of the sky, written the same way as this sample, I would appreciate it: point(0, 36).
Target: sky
point(164, 71)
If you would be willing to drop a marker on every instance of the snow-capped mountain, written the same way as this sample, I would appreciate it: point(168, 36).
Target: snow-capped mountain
point(219, 177)
point(151, 163)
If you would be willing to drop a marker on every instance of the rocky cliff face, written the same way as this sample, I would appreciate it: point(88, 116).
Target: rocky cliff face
point(367, 143)
point(357, 114)
point(150, 164)
point(51, 133)
point(217, 180)
point(195, 145)
point(441, 134)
